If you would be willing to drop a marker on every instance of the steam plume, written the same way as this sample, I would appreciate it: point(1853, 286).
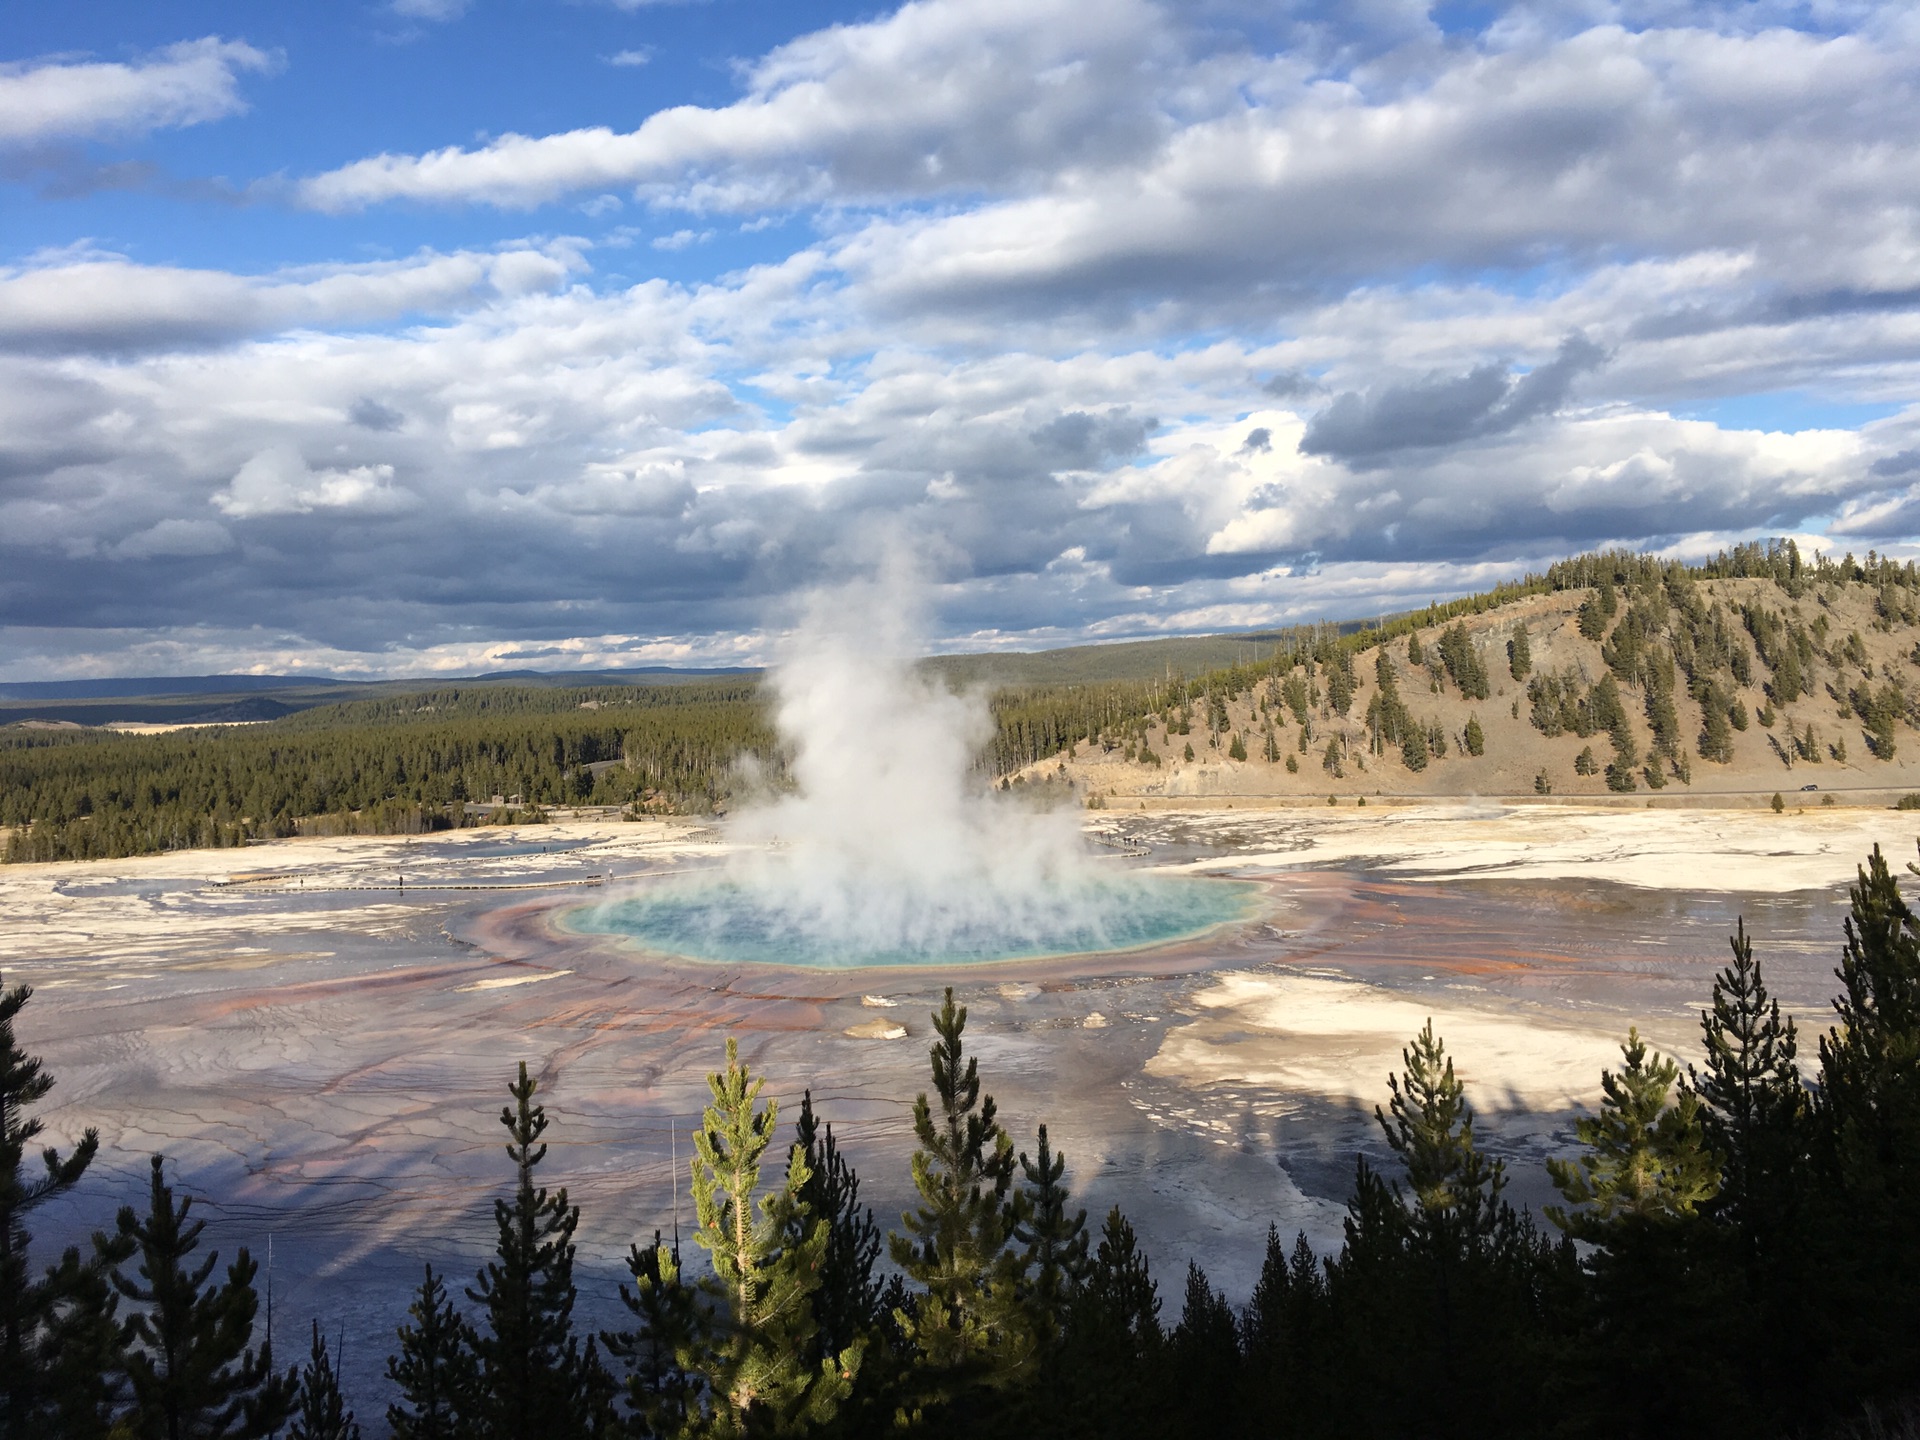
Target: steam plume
point(888, 842)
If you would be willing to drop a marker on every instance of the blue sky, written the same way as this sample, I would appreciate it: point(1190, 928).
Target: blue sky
point(408, 337)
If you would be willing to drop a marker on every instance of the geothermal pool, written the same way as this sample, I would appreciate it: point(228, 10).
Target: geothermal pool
point(727, 922)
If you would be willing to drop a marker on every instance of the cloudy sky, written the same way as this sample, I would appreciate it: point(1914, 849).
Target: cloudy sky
point(446, 335)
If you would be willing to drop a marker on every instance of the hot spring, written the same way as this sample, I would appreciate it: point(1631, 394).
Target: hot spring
point(723, 920)
point(887, 846)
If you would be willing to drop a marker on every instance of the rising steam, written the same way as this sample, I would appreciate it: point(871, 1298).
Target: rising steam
point(889, 841)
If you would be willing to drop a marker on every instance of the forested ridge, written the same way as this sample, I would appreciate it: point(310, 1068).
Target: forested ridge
point(1733, 1255)
point(438, 758)
point(1758, 659)
point(389, 766)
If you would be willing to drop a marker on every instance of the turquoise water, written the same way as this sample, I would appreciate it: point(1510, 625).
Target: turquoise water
point(720, 921)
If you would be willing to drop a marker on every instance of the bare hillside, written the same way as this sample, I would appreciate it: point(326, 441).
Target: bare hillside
point(1661, 685)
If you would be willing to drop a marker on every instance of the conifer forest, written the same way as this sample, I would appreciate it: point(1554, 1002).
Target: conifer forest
point(1733, 1254)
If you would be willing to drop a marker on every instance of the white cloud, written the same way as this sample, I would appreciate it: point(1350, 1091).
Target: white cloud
point(110, 303)
point(631, 59)
point(1673, 142)
point(185, 84)
point(278, 481)
point(939, 96)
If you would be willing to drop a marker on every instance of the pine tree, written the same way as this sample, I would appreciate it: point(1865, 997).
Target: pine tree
point(1263, 1324)
point(1475, 739)
point(1519, 652)
point(435, 1369)
point(1456, 1240)
point(81, 1351)
point(1413, 748)
point(969, 1320)
point(1716, 734)
point(1204, 1351)
point(1114, 1343)
point(27, 1305)
point(1868, 1123)
point(1455, 1187)
point(190, 1368)
point(535, 1377)
point(1647, 1159)
point(1755, 1102)
point(1596, 610)
point(846, 1306)
point(1237, 750)
point(1306, 1294)
point(757, 1360)
point(1641, 1185)
point(1366, 1285)
point(1278, 1334)
point(660, 1391)
point(1756, 1118)
point(1056, 1242)
point(319, 1410)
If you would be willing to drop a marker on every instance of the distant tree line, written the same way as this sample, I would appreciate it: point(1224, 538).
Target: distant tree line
point(391, 766)
point(1734, 1254)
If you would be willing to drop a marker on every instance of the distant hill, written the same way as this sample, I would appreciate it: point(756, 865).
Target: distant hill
point(1636, 677)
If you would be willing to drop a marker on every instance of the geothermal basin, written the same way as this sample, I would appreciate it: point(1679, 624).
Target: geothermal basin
point(322, 1054)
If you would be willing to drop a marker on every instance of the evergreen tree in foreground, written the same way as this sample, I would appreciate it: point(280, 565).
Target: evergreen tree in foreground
point(25, 1306)
point(535, 1377)
point(435, 1369)
point(1641, 1185)
point(1056, 1242)
point(1868, 1119)
point(1756, 1116)
point(1281, 1338)
point(1113, 1348)
point(82, 1346)
point(190, 1367)
point(319, 1411)
point(1448, 1253)
point(1647, 1159)
point(1204, 1353)
point(661, 1393)
point(969, 1321)
point(847, 1304)
point(756, 1359)
point(59, 1338)
point(1755, 1101)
